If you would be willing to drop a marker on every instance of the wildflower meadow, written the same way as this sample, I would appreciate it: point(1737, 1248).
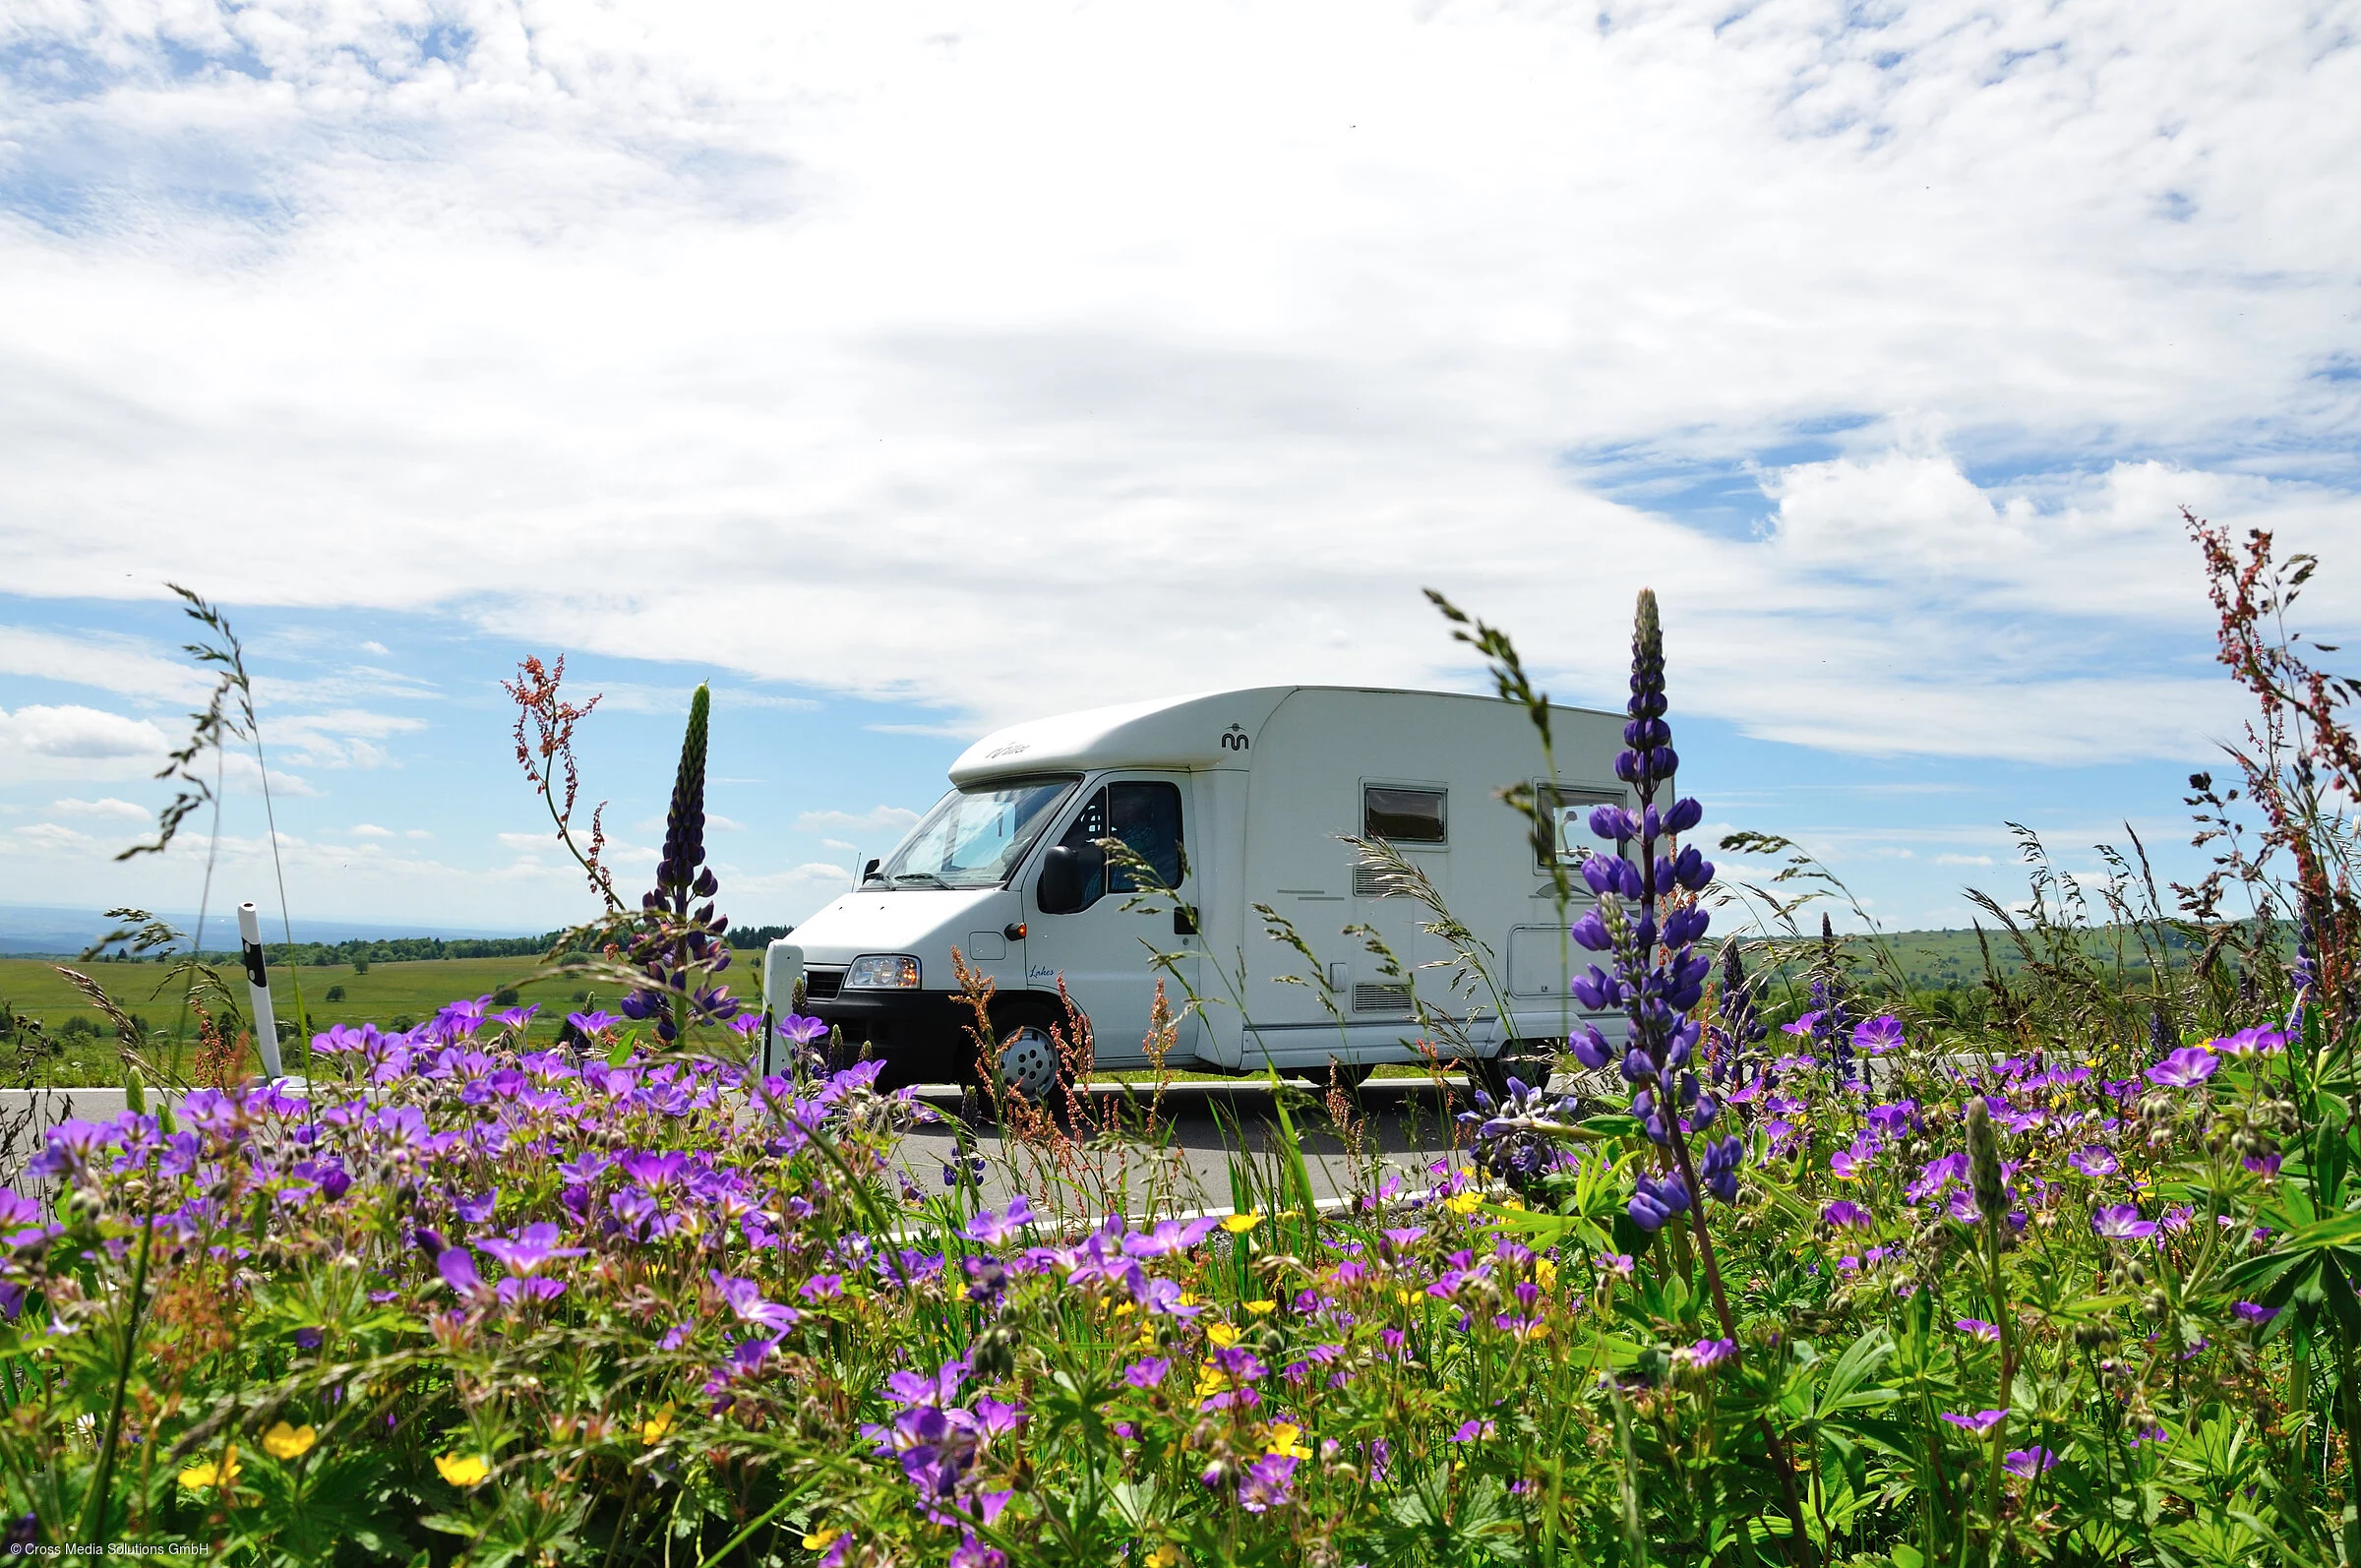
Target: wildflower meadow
point(1784, 1262)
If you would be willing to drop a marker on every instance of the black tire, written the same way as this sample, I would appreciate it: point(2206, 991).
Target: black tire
point(1531, 1063)
point(1021, 1037)
point(1352, 1074)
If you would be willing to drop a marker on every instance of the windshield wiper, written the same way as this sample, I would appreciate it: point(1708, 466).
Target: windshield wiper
point(900, 877)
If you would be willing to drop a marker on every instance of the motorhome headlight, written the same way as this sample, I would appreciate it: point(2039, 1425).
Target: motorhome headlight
point(882, 971)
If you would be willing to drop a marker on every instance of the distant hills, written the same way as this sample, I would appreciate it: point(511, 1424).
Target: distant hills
point(46, 929)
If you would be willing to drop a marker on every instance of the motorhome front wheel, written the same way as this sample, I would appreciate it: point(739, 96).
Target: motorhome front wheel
point(1029, 1062)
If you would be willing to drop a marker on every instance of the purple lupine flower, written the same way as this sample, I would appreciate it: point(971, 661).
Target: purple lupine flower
point(1983, 1420)
point(1717, 1172)
point(2185, 1068)
point(1655, 1202)
point(2121, 1221)
point(2095, 1161)
point(2027, 1461)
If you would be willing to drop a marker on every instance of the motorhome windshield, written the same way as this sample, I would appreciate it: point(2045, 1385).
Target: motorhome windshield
point(974, 837)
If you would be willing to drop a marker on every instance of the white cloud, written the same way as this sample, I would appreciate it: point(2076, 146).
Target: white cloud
point(369, 830)
point(1219, 334)
point(378, 648)
point(53, 836)
point(107, 805)
point(72, 742)
point(1963, 859)
point(417, 832)
point(894, 820)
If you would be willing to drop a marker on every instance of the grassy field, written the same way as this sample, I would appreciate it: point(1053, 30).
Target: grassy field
point(399, 994)
point(387, 993)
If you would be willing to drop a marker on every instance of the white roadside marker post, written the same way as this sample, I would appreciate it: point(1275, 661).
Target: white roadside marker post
point(783, 971)
point(258, 991)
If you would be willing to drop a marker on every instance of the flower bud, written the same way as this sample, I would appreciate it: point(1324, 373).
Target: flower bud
point(1983, 1158)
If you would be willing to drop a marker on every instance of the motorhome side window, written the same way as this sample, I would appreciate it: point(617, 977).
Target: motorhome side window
point(1565, 833)
point(1145, 815)
point(1402, 816)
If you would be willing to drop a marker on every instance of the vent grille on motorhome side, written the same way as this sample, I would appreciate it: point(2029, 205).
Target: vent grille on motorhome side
point(822, 984)
point(1371, 882)
point(1380, 998)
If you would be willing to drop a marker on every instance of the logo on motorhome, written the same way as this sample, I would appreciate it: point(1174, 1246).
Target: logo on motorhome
point(1234, 739)
point(1011, 750)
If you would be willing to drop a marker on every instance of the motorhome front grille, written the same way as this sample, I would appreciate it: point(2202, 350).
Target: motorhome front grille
point(1380, 998)
point(1371, 882)
point(822, 984)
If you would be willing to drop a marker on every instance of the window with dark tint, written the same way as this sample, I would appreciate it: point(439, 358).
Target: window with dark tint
point(1145, 813)
point(1402, 816)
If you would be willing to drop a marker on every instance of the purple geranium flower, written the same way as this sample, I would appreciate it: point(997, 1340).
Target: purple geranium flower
point(1147, 1372)
point(2120, 1222)
point(994, 1229)
point(1977, 1327)
point(1471, 1431)
point(592, 1023)
point(745, 1297)
point(530, 1249)
point(1878, 1035)
point(1266, 1483)
point(1845, 1215)
point(802, 1031)
point(2185, 1068)
point(456, 1265)
point(1983, 1420)
point(2027, 1461)
point(2249, 1312)
point(2095, 1161)
point(1169, 1237)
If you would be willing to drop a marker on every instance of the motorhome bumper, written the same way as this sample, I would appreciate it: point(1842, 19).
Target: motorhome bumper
point(920, 1034)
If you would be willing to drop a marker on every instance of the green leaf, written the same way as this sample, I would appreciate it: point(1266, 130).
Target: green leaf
point(1905, 1555)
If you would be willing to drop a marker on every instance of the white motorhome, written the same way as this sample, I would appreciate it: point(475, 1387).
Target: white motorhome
point(1237, 799)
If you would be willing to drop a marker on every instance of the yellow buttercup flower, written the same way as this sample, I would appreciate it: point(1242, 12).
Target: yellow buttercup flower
point(1164, 1557)
point(1188, 1297)
point(465, 1470)
point(1544, 1273)
point(655, 1426)
point(1236, 1225)
point(289, 1442)
point(1125, 1308)
point(222, 1472)
point(1282, 1440)
point(1465, 1203)
point(1220, 1335)
point(1261, 1309)
point(822, 1540)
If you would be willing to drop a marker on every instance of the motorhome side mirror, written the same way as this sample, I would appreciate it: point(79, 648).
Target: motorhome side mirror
point(868, 871)
point(1064, 872)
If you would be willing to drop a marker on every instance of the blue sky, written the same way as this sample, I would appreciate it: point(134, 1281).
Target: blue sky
point(905, 374)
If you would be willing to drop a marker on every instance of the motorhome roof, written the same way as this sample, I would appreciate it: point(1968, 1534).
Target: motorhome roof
point(1169, 732)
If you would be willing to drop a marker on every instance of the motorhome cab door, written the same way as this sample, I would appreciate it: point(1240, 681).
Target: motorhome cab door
point(1104, 951)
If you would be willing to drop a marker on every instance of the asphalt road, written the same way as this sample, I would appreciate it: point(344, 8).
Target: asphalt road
point(1205, 1131)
